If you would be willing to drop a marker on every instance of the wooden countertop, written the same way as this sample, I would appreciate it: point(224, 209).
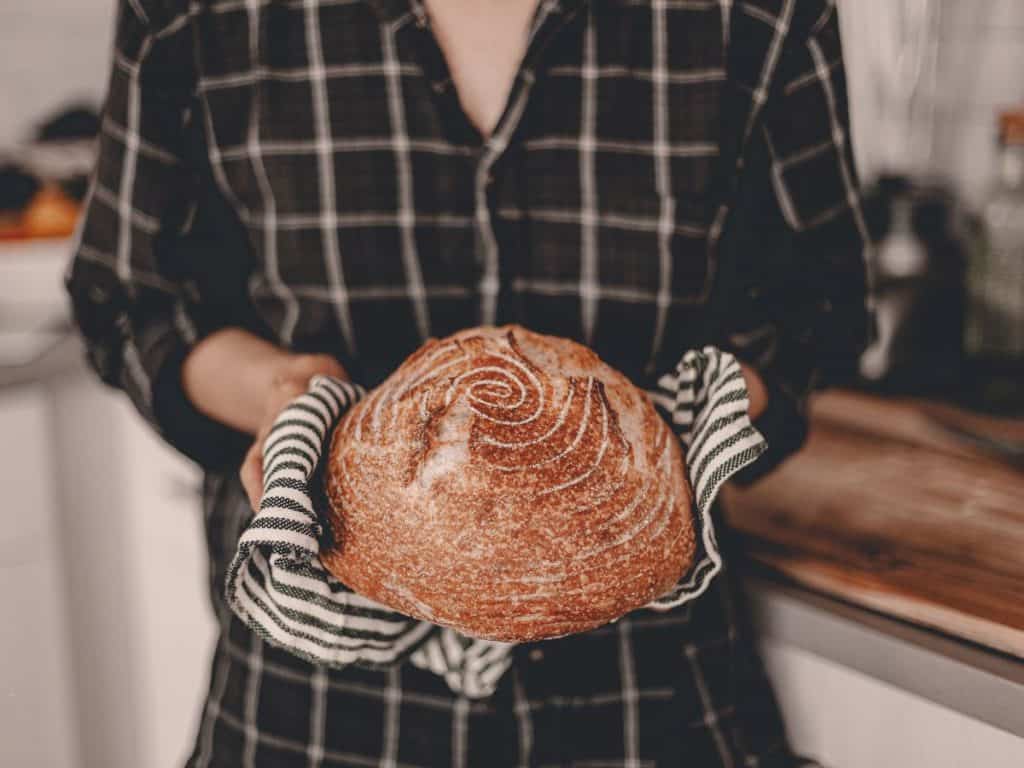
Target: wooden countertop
point(886, 508)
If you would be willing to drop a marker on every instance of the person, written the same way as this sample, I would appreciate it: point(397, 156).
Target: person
point(287, 188)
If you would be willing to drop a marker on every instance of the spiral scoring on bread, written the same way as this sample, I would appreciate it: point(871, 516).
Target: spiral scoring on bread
point(524, 470)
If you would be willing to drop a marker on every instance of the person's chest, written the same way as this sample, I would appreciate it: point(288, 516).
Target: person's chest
point(483, 42)
point(338, 132)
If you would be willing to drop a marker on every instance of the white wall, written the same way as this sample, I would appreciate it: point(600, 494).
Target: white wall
point(950, 131)
point(51, 52)
point(982, 71)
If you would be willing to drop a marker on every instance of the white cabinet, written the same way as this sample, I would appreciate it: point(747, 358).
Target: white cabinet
point(860, 690)
point(136, 566)
point(106, 629)
point(35, 674)
point(176, 631)
point(847, 719)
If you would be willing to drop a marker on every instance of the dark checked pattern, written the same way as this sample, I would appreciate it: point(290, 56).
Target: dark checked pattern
point(377, 216)
point(650, 690)
point(667, 174)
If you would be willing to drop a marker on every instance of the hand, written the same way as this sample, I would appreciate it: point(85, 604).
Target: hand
point(263, 378)
point(756, 389)
point(290, 380)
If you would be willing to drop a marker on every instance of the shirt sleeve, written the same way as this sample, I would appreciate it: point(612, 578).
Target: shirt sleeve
point(138, 314)
point(806, 318)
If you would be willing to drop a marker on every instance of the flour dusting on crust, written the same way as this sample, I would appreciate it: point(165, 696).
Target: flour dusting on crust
point(509, 485)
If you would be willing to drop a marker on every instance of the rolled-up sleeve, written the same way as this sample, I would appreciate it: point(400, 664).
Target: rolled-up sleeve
point(137, 313)
point(810, 318)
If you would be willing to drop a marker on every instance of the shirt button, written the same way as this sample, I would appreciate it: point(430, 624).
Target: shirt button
point(439, 86)
point(536, 654)
point(99, 294)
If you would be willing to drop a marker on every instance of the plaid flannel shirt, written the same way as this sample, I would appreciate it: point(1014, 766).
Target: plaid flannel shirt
point(666, 174)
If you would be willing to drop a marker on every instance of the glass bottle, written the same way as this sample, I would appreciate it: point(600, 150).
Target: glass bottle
point(995, 281)
point(900, 261)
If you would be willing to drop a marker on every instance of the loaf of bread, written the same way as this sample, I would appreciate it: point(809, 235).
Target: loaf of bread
point(509, 485)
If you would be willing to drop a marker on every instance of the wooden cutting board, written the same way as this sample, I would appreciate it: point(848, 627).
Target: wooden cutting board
point(885, 508)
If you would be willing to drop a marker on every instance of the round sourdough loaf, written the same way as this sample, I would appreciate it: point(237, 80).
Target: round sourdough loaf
point(509, 485)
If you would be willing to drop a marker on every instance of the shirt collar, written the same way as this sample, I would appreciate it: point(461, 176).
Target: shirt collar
point(392, 10)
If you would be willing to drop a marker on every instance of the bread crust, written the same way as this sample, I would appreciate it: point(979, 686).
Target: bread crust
point(509, 485)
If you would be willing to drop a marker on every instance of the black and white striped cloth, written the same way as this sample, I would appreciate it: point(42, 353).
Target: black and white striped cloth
point(278, 587)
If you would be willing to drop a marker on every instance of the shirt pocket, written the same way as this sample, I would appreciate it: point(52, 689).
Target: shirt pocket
point(653, 248)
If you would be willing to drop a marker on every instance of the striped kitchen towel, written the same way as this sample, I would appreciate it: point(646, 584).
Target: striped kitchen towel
point(278, 587)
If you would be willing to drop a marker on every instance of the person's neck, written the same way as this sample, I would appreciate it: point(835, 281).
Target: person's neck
point(483, 42)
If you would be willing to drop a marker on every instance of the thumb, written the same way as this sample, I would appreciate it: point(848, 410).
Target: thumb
point(251, 475)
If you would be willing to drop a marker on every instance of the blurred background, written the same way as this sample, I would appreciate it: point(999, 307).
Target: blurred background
point(885, 562)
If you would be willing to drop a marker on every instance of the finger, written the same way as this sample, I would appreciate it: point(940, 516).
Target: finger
point(281, 396)
point(329, 365)
point(251, 474)
point(307, 366)
point(757, 392)
point(289, 390)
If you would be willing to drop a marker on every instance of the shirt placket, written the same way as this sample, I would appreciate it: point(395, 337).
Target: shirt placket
point(550, 18)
